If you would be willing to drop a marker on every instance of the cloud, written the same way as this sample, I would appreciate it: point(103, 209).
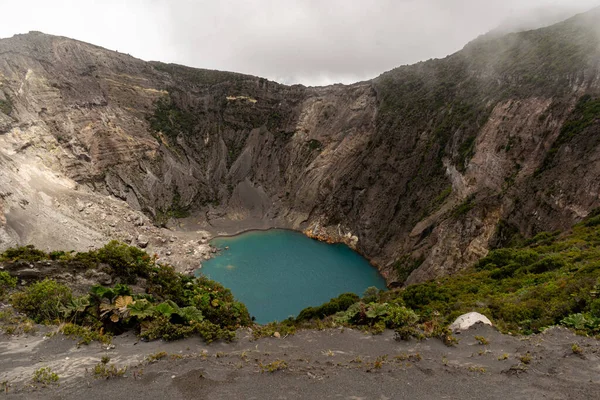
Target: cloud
point(293, 41)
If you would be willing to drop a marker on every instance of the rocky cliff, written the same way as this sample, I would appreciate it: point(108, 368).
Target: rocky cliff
point(422, 169)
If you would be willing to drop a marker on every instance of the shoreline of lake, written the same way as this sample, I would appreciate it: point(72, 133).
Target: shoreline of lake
point(260, 263)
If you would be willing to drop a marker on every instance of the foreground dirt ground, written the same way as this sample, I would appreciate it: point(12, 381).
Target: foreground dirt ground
point(340, 364)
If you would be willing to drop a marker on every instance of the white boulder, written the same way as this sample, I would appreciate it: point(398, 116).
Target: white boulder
point(466, 321)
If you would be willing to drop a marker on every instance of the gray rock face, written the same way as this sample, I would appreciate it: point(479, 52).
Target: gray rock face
point(79, 277)
point(142, 241)
point(421, 170)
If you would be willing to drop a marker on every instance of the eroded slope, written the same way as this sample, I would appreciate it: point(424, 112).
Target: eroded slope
point(422, 169)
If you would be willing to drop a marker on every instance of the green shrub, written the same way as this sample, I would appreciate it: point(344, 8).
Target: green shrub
point(496, 258)
point(42, 301)
point(284, 328)
point(585, 114)
point(165, 283)
point(25, 253)
point(170, 119)
point(400, 316)
point(163, 328)
point(174, 305)
point(13, 324)
point(340, 303)
point(419, 296)
point(218, 305)
point(595, 308)
point(211, 332)
point(370, 295)
point(405, 265)
point(314, 144)
point(582, 322)
point(375, 317)
point(45, 376)
point(463, 208)
point(271, 367)
point(546, 264)
point(126, 262)
point(103, 370)
point(6, 282)
point(85, 334)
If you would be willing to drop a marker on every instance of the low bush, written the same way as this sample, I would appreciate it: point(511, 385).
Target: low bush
point(340, 303)
point(284, 328)
point(375, 317)
point(547, 280)
point(126, 262)
point(174, 306)
point(7, 282)
point(25, 253)
point(42, 301)
point(277, 365)
point(163, 328)
point(85, 334)
point(103, 370)
point(45, 376)
point(217, 304)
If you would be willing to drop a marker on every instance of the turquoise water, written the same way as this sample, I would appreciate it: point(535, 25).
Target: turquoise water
point(277, 273)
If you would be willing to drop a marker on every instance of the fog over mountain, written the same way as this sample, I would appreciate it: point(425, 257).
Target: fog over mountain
point(299, 41)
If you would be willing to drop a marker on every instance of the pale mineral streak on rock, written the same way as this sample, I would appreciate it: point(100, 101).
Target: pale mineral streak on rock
point(332, 234)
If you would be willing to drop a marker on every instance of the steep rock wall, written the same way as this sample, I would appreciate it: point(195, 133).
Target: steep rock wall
point(422, 170)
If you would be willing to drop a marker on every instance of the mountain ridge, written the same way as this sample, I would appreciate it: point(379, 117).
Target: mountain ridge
point(421, 169)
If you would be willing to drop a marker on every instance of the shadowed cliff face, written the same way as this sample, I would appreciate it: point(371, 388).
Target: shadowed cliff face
point(421, 170)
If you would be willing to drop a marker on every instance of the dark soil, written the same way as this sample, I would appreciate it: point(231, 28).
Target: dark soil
point(340, 363)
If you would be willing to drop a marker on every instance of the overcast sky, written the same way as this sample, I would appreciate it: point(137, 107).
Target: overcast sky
point(313, 42)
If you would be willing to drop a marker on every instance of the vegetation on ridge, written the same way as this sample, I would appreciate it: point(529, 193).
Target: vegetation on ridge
point(586, 113)
point(434, 110)
point(548, 280)
point(170, 119)
point(172, 305)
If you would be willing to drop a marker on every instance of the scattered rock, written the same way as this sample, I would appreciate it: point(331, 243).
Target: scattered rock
point(142, 241)
point(98, 276)
point(466, 321)
point(277, 335)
